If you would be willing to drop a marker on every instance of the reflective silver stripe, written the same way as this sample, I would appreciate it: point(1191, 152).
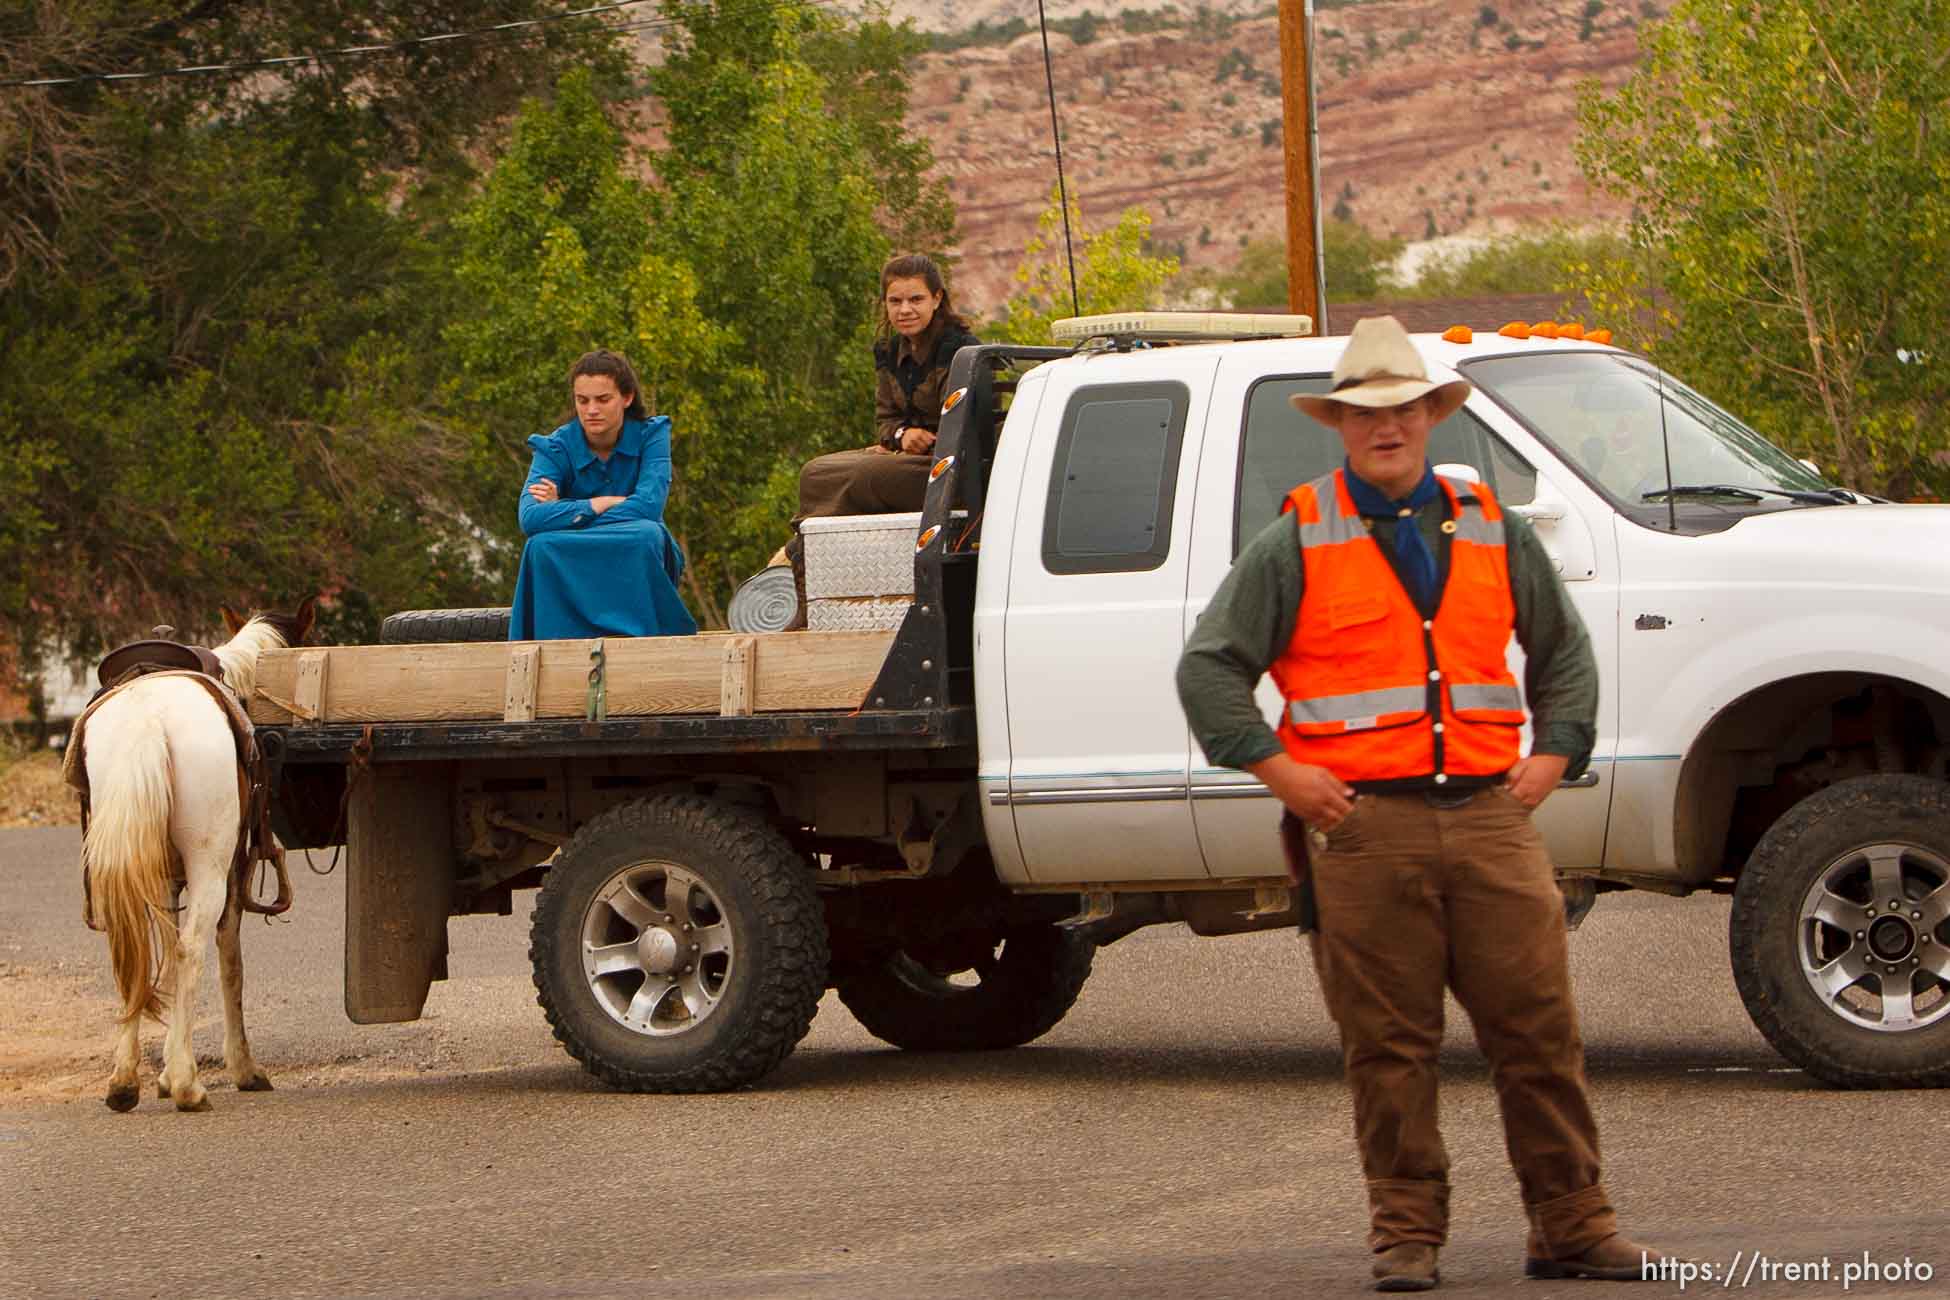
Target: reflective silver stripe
point(1360, 710)
point(1333, 527)
point(1473, 526)
point(1333, 530)
point(1507, 698)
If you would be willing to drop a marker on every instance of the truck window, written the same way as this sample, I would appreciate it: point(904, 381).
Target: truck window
point(1281, 449)
point(1116, 471)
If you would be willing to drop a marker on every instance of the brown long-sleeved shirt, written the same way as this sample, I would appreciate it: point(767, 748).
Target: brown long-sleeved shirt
point(911, 377)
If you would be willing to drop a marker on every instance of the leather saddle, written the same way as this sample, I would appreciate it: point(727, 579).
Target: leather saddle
point(127, 662)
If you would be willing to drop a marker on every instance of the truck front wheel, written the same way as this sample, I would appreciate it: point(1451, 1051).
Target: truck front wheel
point(1840, 933)
point(1015, 990)
point(678, 946)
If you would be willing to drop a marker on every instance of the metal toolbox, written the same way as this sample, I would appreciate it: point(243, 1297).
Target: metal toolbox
point(860, 570)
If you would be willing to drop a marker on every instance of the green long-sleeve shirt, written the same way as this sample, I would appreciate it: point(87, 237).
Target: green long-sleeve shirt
point(1250, 619)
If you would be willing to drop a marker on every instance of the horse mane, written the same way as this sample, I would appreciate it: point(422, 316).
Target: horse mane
point(239, 655)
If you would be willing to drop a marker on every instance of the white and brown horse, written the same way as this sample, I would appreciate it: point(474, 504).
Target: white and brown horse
point(166, 812)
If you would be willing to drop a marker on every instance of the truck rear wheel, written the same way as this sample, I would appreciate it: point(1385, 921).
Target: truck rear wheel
point(678, 946)
point(1015, 991)
point(1840, 933)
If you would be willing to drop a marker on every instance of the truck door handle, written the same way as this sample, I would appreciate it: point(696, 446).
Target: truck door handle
point(1586, 782)
point(1539, 510)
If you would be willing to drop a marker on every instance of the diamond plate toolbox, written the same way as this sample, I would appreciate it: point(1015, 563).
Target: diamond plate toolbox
point(856, 613)
point(861, 555)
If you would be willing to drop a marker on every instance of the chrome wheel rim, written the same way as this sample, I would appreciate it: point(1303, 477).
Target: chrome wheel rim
point(1874, 937)
point(656, 949)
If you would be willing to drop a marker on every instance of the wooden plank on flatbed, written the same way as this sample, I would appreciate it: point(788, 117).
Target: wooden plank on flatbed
point(792, 671)
point(524, 674)
point(308, 695)
point(740, 677)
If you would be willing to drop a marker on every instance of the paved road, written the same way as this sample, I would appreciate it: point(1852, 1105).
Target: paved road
point(1183, 1133)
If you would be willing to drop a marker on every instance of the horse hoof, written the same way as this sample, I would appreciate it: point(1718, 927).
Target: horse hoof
point(256, 1083)
point(162, 1090)
point(124, 1098)
point(202, 1103)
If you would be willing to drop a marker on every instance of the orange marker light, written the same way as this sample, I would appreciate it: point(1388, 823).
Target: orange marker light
point(1575, 330)
point(1457, 334)
point(940, 468)
point(1544, 329)
point(953, 400)
point(1516, 329)
point(1598, 336)
point(928, 535)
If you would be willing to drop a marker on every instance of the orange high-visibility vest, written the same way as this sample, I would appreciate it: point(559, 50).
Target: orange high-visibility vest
point(1375, 692)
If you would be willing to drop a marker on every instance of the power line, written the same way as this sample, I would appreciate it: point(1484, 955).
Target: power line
point(520, 27)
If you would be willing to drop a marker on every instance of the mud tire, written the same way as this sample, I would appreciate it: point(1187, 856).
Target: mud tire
point(1806, 855)
point(762, 891)
point(1034, 980)
point(444, 626)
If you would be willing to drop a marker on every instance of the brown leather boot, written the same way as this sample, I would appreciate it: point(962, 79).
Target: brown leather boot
point(1406, 1266)
point(1615, 1259)
point(795, 554)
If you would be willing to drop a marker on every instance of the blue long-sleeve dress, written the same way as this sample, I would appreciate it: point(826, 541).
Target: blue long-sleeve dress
point(585, 574)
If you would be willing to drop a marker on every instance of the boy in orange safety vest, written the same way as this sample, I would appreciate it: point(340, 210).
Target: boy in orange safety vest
point(1383, 601)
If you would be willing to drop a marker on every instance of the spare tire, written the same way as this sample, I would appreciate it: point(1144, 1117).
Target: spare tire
point(441, 626)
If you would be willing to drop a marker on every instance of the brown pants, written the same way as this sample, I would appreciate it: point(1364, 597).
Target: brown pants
point(864, 482)
point(1412, 898)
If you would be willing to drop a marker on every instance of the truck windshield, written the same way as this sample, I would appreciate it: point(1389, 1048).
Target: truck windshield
point(1602, 411)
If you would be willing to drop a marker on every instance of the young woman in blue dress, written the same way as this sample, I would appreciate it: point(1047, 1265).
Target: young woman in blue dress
point(599, 560)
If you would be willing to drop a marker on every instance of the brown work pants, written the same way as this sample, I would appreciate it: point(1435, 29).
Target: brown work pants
point(1411, 898)
point(869, 481)
point(864, 482)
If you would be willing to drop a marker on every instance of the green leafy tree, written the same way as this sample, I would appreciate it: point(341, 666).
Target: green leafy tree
point(1534, 262)
point(1115, 272)
point(1789, 169)
point(1359, 266)
point(216, 294)
point(865, 66)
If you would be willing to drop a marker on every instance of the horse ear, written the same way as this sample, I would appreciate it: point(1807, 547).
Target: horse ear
point(232, 619)
point(304, 619)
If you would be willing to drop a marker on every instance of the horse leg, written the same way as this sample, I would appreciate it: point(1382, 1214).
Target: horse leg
point(203, 903)
point(230, 965)
point(125, 1084)
point(166, 975)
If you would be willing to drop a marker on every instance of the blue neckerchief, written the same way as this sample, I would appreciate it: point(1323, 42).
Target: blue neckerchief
point(1417, 561)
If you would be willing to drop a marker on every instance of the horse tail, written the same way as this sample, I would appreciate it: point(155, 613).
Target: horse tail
point(127, 856)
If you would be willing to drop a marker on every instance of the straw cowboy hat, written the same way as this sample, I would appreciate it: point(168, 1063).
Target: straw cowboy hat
point(1381, 367)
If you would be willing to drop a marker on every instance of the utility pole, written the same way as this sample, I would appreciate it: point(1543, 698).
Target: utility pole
point(1306, 267)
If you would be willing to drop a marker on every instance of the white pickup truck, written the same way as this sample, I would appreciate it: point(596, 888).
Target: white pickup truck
point(1018, 785)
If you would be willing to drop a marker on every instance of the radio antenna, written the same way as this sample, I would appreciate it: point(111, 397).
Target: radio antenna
point(1056, 135)
point(1659, 381)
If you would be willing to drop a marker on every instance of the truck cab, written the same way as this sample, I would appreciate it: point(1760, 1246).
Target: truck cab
point(1765, 639)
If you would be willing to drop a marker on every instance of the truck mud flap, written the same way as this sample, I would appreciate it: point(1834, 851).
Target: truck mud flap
point(399, 887)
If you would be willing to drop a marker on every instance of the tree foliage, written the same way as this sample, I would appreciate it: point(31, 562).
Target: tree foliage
point(1114, 272)
point(1359, 268)
point(272, 333)
point(1551, 260)
point(216, 383)
point(1789, 167)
